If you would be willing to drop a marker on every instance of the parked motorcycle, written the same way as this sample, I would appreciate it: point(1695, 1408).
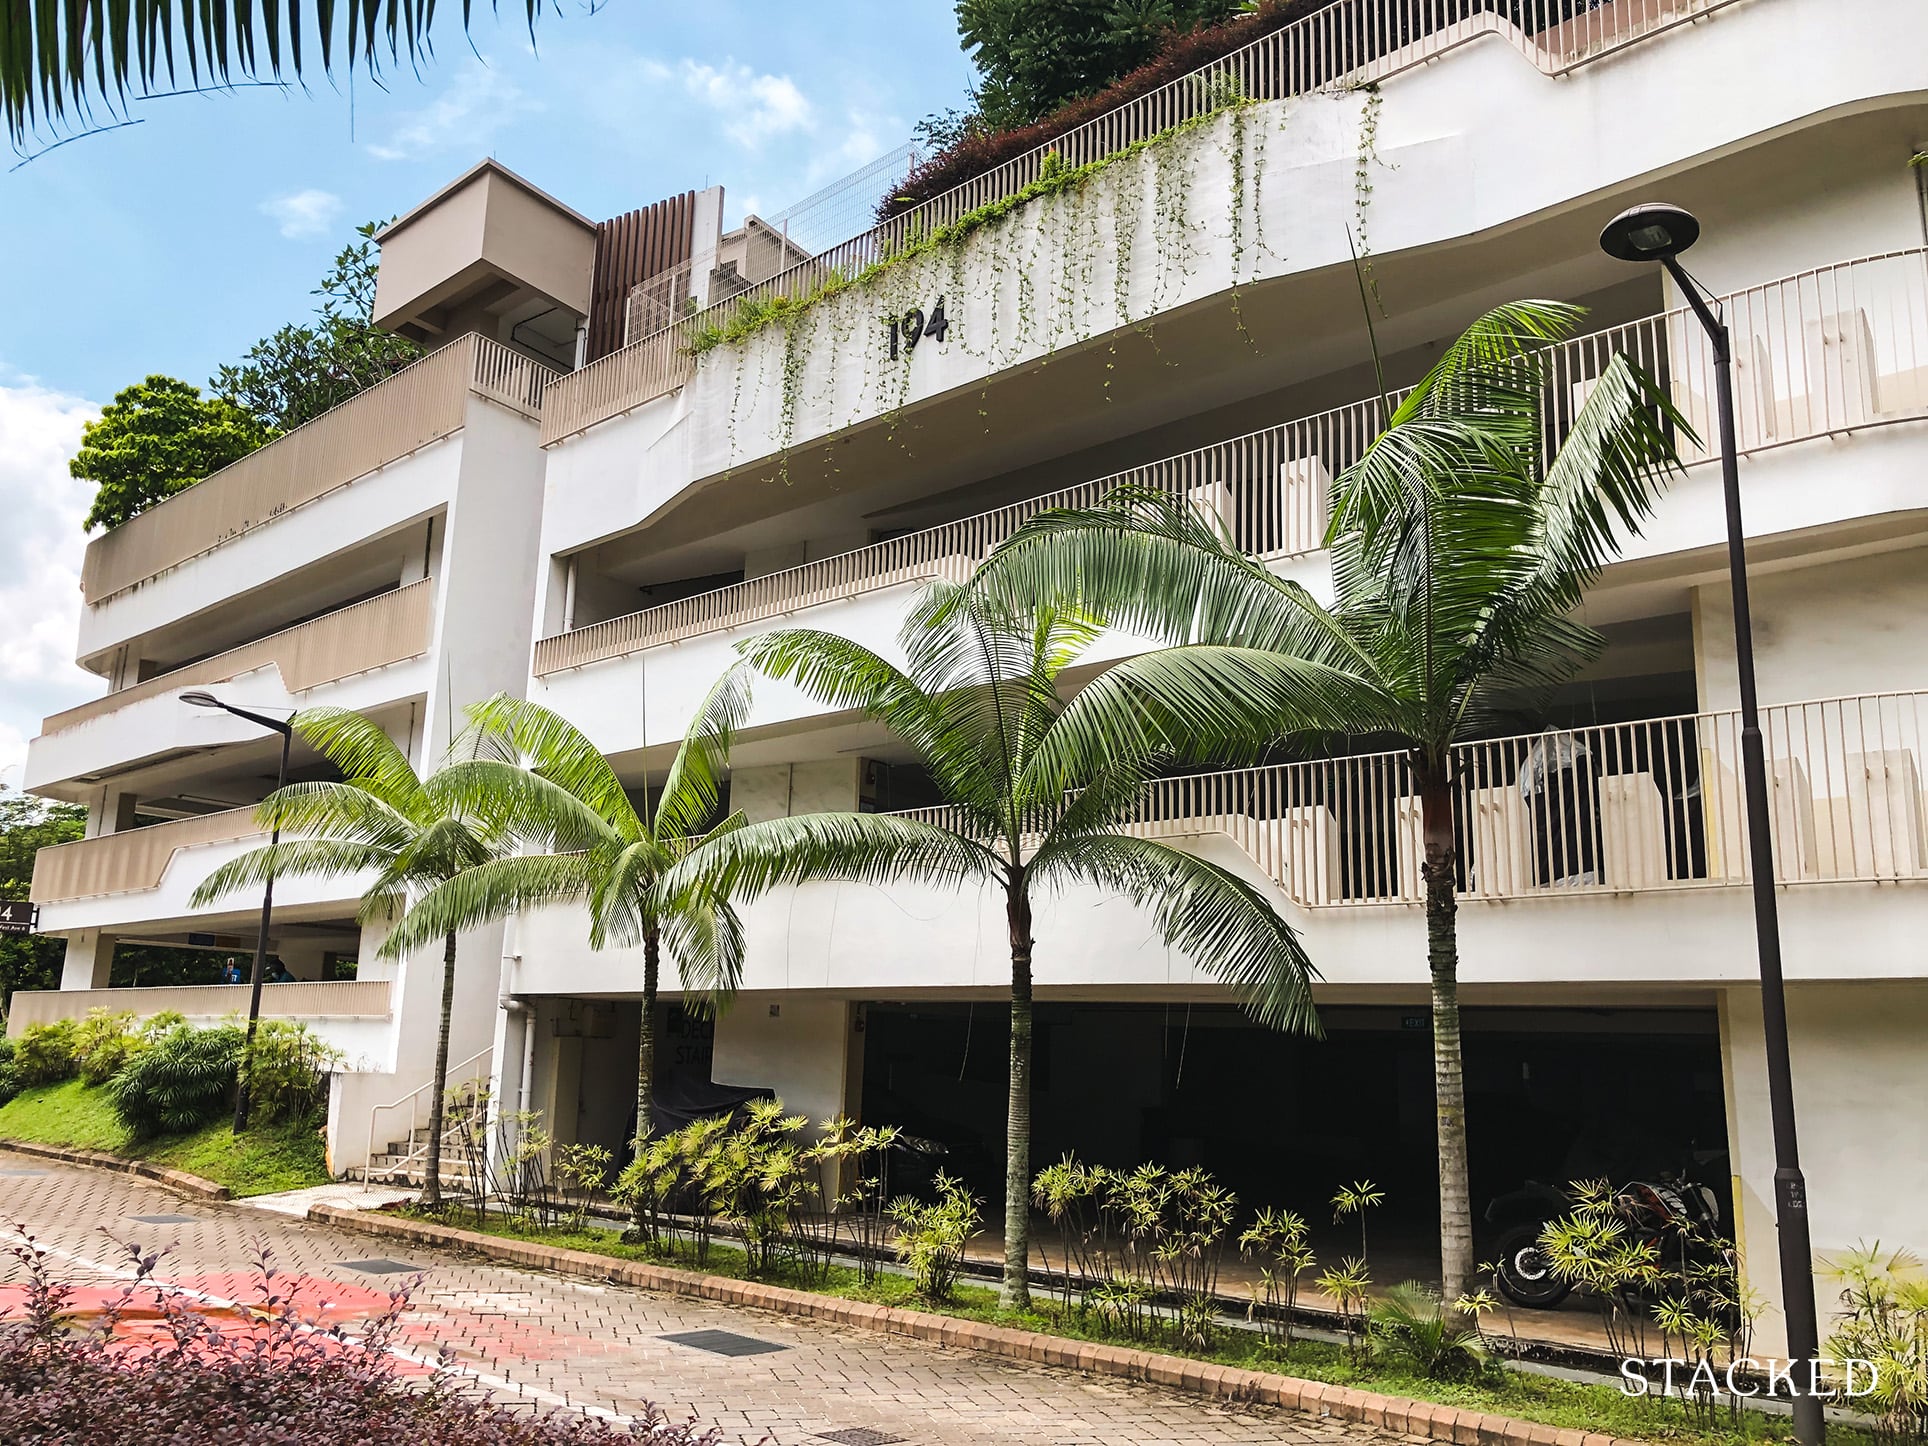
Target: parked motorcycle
point(1664, 1210)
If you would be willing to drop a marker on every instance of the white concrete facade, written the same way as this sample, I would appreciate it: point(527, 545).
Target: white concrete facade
point(1790, 129)
point(459, 518)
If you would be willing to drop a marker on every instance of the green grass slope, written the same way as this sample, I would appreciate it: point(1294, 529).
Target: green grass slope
point(260, 1162)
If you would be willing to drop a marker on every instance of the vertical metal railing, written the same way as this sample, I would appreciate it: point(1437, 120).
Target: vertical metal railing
point(1821, 352)
point(1350, 42)
point(1620, 808)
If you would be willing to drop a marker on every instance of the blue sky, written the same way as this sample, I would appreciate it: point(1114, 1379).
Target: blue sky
point(171, 245)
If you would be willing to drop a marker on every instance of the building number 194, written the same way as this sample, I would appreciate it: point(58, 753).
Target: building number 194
point(906, 330)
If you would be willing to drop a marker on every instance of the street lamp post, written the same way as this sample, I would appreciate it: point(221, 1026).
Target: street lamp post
point(1660, 233)
point(287, 732)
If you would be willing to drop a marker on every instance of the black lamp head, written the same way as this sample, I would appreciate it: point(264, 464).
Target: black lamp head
point(201, 699)
point(1652, 232)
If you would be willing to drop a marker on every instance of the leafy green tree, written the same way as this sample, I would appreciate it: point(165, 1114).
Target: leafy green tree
point(1040, 795)
point(28, 825)
point(306, 369)
point(546, 784)
point(149, 965)
point(62, 62)
point(1033, 56)
point(157, 438)
point(411, 833)
point(1460, 549)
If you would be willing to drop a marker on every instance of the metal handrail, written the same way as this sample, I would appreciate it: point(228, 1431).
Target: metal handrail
point(1647, 806)
point(457, 1074)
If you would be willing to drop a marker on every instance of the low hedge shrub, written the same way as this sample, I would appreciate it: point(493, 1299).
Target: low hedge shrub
point(44, 1053)
point(183, 1081)
point(191, 1379)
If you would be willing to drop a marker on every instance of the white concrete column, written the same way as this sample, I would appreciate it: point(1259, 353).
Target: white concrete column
point(90, 958)
point(828, 785)
point(1860, 1074)
point(805, 1048)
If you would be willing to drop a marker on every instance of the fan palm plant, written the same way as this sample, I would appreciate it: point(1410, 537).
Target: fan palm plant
point(59, 60)
point(1460, 546)
point(411, 833)
point(1038, 799)
point(546, 784)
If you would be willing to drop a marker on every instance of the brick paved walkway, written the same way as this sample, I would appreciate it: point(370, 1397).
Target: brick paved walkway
point(560, 1341)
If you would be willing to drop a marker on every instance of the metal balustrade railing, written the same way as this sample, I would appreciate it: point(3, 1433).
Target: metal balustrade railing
point(1349, 43)
point(1632, 807)
point(1829, 350)
point(420, 404)
point(466, 1098)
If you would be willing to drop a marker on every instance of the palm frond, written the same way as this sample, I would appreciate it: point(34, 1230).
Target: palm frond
point(1607, 476)
point(487, 893)
point(1217, 918)
point(871, 848)
point(705, 937)
point(365, 754)
point(511, 800)
point(515, 731)
point(64, 63)
point(626, 897)
point(1149, 565)
point(337, 811)
point(327, 858)
point(835, 672)
point(1203, 704)
point(841, 674)
point(695, 782)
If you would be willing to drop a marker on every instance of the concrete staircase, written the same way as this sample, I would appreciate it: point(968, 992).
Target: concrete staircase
point(405, 1161)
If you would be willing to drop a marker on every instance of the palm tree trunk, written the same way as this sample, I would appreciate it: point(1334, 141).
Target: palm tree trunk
point(1016, 1294)
point(646, 1053)
point(1438, 869)
point(438, 1088)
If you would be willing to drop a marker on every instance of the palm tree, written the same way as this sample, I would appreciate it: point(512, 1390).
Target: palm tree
point(546, 784)
point(60, 60)
point(1038, 799)
point(411, 833)
point(1460, 547)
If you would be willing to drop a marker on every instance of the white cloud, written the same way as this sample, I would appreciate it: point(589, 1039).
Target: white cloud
point(40, 553)
point(755, 107)
point(478, 103)
point(303, 215)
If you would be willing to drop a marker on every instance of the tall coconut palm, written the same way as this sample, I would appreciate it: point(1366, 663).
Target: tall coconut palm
point(1460, 547)
point(1039, 800)
point(411, 833)
point(545, 783)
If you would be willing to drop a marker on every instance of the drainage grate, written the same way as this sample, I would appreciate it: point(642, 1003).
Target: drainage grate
point(859, 1436)
point(165, 1219)
point(724, 1343)
point(381, 1267)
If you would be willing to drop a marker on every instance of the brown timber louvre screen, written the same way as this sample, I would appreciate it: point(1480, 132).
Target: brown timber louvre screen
point(630, 249)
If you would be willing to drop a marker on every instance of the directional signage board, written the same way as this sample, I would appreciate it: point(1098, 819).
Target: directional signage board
point(17, 916)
